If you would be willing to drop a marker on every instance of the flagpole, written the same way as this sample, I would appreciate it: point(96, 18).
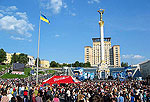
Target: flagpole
point(38, 53)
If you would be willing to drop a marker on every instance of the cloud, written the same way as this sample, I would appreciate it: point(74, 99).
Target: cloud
point(29, 40)
point(16, 22)
point(73, 14)
point(126, 56)
point(12, 8)
point(65, 5)
point(131, 56)
point(8, 10)
point(20, 26)
point(54, 5)
point(138, 57)
point(93, 1)
point(1, 15)
point(22, 15)
point(17, 38)
point(2, 11)
point(57, 35)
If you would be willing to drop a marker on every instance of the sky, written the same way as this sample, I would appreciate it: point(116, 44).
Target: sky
point(73, 25)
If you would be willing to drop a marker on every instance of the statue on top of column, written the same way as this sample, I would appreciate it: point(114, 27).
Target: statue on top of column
point(101, 11)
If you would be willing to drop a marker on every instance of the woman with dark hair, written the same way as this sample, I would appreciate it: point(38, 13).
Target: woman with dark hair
point(56, 99)
point(4, 97)
point(13, 99)
point(19, 99)
point(38, 98)
point(33, 97)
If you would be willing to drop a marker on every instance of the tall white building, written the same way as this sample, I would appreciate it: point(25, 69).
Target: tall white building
point(88, 53)
point(111, 56)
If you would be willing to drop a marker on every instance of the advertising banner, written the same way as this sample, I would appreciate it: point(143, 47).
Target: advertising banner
point(18, 67)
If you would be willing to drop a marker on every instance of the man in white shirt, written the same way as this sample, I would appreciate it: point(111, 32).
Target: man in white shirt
point(9, 95)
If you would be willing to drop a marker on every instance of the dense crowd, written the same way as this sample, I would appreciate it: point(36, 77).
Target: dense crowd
point(23, 90)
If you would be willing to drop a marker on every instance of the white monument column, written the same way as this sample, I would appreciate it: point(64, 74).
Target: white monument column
point(101, 23)
point(103, 66)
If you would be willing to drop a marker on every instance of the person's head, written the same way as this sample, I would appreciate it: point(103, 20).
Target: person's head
point(82, 96)
point(38, 94)
point(87, 99)
point(131, 94)
point(121, 94)
point(4, 93)
point(56, 95)
point(96, 98)
point(19, 99)
point(33, 95)
point(13, 99)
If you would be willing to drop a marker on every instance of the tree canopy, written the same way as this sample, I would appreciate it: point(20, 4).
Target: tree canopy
point(2, 55)
point(124, 64)
point(14, 58)
point(39, 62)
point(23, 58)
point(53, 64)
point(76, 64)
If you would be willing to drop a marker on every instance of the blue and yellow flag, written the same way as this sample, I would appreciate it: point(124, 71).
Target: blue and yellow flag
point(43, 18)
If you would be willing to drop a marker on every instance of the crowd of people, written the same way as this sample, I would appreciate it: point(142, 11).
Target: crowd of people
point(23, 90)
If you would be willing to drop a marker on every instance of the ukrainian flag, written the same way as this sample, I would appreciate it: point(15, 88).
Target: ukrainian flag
point(43, 18)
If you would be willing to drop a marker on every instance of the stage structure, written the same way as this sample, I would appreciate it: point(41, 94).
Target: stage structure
point(103, 67)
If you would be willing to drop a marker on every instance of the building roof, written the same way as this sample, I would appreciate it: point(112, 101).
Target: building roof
point(99, 39)
point(44, 60)
point(115, 45)
point(144, 62)
point(88, 46)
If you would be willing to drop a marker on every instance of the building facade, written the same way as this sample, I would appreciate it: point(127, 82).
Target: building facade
point(8, 58)
point(111, 56)
point(44, 63)
point(145, 68)
point(96, 53)
point(116, 56)
point(31, 61)
point(88, 53)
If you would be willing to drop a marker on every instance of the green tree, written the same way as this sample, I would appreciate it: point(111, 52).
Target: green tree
point(53, 64)
point(39, 62)
point(81, 64)
point(87, 64)
point(124, 64)
point(23, 58)
point(2, 55)
point(59, 65)
point(14, 58)
point(68, 65)
point(76, 64)
point(64, 65)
